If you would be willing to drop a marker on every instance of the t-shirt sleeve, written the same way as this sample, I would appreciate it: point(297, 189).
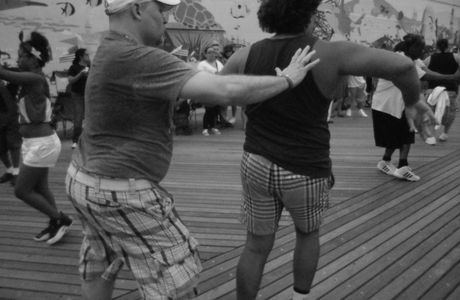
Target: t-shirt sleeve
point(200, 66)
point(457, 59)
point(161, 75)
point(427, 61)
point(420, 71)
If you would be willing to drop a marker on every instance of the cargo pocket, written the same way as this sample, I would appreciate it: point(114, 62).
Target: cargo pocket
point(159, 205)
point(177, 268)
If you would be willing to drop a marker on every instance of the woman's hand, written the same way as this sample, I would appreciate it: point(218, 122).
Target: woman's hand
point(416, 113)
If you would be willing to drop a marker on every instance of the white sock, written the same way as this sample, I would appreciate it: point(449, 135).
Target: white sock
point(299, 296)
point(15, 171)
point(9, 170)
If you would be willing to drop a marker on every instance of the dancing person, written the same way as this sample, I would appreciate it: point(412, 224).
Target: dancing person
point(78, 73)
point(114, 179)
point(10, 139)
point(40, 144)
point(445, 62)
point(286, 160)
point(391, 128)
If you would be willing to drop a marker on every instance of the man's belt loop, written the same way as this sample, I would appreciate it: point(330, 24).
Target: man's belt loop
point(97, 186)
point(132, 185)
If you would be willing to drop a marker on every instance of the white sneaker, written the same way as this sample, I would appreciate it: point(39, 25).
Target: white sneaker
point(362, 113)
point(386, 167)
point(348, 112)
point(215, 131)
point(430, 140)
point(74, 145)
point(406, 173)
point(232, 121)
point(443, 137)
point(205, 132)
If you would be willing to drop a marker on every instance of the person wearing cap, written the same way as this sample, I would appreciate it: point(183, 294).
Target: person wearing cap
point(124, 152)
point(286, 160)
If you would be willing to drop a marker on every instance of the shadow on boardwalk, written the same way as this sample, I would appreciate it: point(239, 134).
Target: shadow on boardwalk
point(382, 238)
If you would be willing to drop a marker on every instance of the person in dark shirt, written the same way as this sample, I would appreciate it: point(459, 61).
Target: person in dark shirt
point(445, 62)
point(10, 139)
point(78, 73)
point(286, 160)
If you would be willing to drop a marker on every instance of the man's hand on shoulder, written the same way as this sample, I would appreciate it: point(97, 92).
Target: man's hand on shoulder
point(299, 66)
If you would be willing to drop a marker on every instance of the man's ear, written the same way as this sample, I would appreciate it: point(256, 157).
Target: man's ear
point(136, 11)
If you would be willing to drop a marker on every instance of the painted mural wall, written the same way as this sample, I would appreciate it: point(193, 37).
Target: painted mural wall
point(81, 22)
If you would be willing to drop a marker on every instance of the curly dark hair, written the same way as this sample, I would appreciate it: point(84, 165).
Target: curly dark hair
point(412, 46)
point(286, 16)
point(78, 55)
point(39, 43)
point(442, 45)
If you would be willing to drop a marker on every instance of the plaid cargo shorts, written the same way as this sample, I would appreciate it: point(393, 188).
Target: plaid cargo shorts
point(133, 222)
point(268, 188)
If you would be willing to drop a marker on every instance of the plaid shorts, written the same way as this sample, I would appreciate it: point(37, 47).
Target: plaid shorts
point(267, 188)
point(133, 222)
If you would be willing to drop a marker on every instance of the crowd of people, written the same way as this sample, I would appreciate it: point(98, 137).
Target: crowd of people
point(286, 83)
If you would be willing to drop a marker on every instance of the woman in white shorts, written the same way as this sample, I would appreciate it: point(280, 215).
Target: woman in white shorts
point(41, 146)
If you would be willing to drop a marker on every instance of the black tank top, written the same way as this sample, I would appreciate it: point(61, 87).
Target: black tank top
point(443, 63)
point(291, 128)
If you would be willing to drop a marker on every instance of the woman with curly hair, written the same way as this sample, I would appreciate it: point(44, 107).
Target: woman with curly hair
point(286, 160)
point(41, 145)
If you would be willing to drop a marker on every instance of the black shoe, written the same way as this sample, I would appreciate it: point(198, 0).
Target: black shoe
point(6, 177)
point(59, 228)
point(45, 233)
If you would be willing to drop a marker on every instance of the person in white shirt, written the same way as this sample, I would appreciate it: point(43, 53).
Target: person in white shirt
point(213, 66)
point(445, 62)
point(392, 130)
point(356, 94)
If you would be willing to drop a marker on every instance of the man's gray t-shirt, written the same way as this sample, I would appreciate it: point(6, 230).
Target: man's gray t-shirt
point(130, 94)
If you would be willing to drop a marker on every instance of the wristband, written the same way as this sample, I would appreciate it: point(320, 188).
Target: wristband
point(289, 81)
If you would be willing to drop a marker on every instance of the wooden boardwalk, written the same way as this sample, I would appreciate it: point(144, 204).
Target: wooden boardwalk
point(382, 238)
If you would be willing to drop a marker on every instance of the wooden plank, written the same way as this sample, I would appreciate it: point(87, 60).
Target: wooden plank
point(455, 295)
point(14, 294)
point(446, 285)
point(396, 287)
point(344, 260)
point(421, 192)
point(364, 284)
point(428, 279)
point(374, 226)
point(385, 190)
point(403, 256)
point(204, 179)
point(338, 271)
